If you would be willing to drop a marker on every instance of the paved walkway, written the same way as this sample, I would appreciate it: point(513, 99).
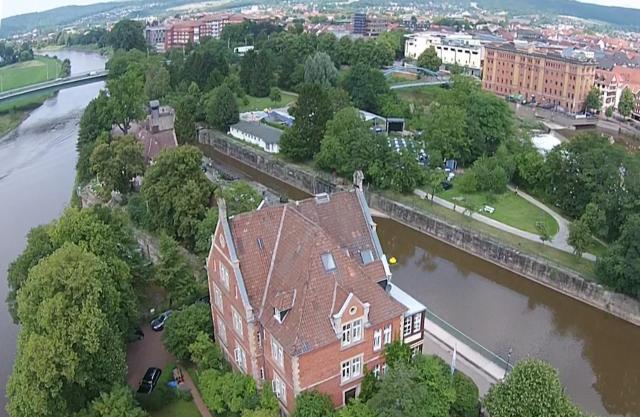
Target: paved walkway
point(558, 242)
point(197, 398)
point(146, 353)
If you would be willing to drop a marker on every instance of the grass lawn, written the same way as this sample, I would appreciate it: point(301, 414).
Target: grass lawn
point(261, 103)
point(10, 121)
point(178, 408)
point(18, 75)
point(511, 209)
point(582, 266)
point(422, 95)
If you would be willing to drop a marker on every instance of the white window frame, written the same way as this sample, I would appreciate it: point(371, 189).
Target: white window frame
point(279, 388)
point(376, 370)
point(377, 340)
point(217, 298)
point(276, 352)
point(240, 357)
point(387, 334)
point(351, 368)
point(417, 322)
point(224, 276)
point(352, 332)
point(237, 322)
point(221, 330)
point(407, 326)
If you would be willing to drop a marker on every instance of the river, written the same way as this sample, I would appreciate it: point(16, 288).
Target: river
point(596, 354)
point(37, 171)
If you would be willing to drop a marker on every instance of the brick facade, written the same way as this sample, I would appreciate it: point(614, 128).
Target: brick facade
point(546, 79)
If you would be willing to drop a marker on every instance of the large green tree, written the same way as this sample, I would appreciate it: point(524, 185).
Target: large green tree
point(126, 100)
point(177, 192)
point(117, 163)
point(397, 171)
point(257, 73)
point(227, 392)
point(71, 344)
point(313, 404)
point(186, 107)
point(532, 389)
point(183, 327)
point(95, 120)
point(205, 353)
point(365, 85)
point(627, 102)
point(240, 197)
point(156, 82)
point(311, 111)
point(320, 69)
point(119, 402)
point(222, 108)
point(447, 132)
point(174, 274)
point(429, 59)
point(490, 122)
point(620, 268)
point(127, 34)
point(594, 100)
point(348, 144)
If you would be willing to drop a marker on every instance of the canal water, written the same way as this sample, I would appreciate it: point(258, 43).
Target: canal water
point(597, 355)
point(37, 171)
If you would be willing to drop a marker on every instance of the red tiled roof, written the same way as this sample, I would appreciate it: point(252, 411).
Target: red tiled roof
point(280, 249)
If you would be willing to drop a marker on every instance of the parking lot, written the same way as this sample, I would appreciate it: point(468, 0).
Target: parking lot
point(146, 353)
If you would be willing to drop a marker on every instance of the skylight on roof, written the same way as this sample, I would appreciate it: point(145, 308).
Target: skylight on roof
point(328, 262)
point(367, 256)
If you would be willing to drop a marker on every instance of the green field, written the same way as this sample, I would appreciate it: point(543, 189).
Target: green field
point(422, 95)
point(29, 72)
point(261, 103)
point(538, 250)
point(510, 209)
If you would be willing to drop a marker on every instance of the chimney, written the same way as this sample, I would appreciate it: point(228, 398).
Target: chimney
point(154, 116)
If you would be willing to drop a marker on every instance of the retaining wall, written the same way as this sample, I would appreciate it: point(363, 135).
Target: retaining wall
point(554, 277)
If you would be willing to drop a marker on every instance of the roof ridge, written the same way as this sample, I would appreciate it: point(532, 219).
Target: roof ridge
point(273, 257)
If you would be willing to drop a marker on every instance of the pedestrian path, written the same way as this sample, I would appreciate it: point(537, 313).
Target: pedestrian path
point(558, 242)
point(197, 398)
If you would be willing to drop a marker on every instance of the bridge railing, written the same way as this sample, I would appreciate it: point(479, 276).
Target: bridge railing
point(54, 82)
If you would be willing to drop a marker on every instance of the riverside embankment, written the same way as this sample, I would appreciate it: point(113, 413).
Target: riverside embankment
point(593, 350)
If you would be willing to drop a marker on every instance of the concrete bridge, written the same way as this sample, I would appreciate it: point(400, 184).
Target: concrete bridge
point(53, 85)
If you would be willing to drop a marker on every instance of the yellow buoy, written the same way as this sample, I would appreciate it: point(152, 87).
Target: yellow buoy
point(393, 260)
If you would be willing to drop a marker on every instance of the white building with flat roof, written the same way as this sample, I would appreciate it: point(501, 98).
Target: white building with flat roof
point(452, 48)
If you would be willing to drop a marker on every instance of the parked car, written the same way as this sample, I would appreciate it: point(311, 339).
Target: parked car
point(446, 185)
point(158, 323)
point(149, 380)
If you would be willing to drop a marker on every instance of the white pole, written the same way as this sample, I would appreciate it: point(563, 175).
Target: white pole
point(453, 358)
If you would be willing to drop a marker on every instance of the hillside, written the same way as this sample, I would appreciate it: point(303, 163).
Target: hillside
point(620, 16)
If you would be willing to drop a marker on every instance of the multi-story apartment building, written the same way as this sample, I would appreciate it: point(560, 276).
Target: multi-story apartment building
point(182, 33)
point(155, 36)
point(301, 296)
point(459, 49)
point(364, 25)
point(610, 88)
point(543, 78)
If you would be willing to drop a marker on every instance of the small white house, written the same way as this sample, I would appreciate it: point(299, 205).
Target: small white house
point(256, 133)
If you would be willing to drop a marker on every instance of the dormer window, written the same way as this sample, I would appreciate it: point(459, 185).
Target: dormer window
point(280, 315)
point(328, 262)
point(366, 256)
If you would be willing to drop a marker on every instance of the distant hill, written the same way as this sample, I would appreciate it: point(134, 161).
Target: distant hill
point(619, 16)
point(53, 18)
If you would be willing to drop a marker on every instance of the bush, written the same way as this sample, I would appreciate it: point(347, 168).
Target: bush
point(183, 328)
point(137, 210)
point(204, 353)
point(159, 398)
point(467, 396)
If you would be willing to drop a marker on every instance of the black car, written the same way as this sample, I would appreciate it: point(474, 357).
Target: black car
point(149, 380)
point(446, 185)
point(158, 323)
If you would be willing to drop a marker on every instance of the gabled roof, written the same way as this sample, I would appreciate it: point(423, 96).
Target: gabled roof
point(280, 251)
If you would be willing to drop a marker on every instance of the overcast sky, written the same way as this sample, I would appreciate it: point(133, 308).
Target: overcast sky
point(13, 7)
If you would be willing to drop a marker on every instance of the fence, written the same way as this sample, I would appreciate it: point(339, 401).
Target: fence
point(477, 347)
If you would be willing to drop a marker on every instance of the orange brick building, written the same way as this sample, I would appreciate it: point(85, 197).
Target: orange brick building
point(193, 31)
point(546, 79)
point(301, 296)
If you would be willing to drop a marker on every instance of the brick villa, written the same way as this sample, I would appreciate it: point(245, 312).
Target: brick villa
point(301, 296)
